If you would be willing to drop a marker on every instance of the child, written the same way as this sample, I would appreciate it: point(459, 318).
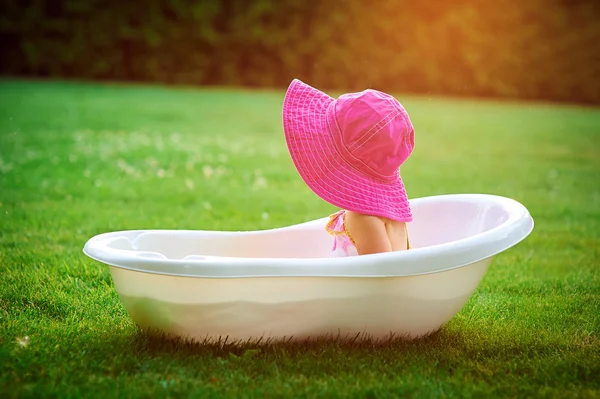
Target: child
point(348, 151)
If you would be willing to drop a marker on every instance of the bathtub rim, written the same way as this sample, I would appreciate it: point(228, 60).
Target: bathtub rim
point(418, 261)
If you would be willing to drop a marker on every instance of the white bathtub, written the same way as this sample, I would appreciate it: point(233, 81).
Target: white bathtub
point(281, 283)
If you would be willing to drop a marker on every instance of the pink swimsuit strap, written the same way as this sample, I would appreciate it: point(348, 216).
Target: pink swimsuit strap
point(343, 244)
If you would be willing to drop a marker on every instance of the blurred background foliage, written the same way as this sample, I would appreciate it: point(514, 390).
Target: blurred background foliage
point(529, 49)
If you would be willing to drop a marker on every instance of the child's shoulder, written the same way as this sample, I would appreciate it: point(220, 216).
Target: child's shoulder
point(362, 218)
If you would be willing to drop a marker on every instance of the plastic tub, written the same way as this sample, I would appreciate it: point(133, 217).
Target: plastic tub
point(282, 284)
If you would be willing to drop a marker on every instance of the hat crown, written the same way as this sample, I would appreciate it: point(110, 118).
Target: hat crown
point(375, 131)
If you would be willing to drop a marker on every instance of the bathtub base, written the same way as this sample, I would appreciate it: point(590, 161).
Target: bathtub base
point(280, 308)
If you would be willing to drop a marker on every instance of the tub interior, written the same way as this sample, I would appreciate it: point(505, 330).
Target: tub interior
point(434, 222)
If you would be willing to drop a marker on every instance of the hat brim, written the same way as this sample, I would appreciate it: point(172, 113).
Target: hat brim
point(308, 134)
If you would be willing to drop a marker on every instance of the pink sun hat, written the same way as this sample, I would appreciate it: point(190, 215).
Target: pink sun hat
point(349, 150)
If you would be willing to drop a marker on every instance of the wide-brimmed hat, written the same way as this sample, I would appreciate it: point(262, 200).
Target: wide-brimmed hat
point(349, 150)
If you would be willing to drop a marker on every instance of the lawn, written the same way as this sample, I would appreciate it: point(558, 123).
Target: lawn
point(80, 159)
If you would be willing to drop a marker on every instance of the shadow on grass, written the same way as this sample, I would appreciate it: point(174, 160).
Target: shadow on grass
point(445, 346)
point(161, 344)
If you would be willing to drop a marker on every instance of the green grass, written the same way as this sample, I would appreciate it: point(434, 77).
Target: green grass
point(80, 159)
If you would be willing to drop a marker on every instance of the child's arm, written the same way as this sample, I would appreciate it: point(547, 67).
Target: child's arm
point(368, 232)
